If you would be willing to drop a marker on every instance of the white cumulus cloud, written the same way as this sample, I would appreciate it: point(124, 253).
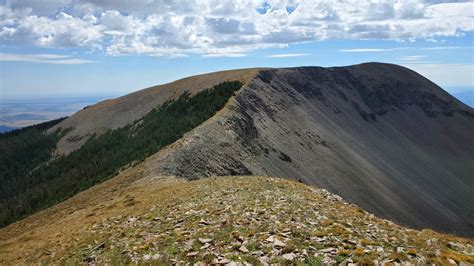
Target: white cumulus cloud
point(223, 55)
point(222, 27)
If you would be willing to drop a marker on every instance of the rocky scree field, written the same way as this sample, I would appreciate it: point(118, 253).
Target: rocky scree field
point(257, 220)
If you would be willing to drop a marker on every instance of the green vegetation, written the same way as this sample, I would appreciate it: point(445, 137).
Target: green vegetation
point(21, 151)
point(28, 184)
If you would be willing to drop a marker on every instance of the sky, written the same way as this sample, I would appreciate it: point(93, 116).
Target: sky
point(107, 48)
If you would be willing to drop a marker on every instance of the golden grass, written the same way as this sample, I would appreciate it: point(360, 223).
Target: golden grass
point(412, 252)
point(458, 257)
point(344, 252)
point(359, 252)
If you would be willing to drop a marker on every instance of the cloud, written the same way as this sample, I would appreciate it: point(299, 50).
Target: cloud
point(223, 55)
point(413, 57)
point(286, 55)
point(43, 8)
point(445, 48)
point(370, 50)
point(381, 10)
point(170, 28)
point(44, 58)
point(365, 50)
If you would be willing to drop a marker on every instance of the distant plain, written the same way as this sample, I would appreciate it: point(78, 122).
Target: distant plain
point(16, 113)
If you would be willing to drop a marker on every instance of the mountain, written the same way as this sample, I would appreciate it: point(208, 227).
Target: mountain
point(116, 113)
point(35, 174)
point(380, 136)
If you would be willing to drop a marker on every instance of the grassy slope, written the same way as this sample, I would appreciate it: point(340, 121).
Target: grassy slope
point(162, 220)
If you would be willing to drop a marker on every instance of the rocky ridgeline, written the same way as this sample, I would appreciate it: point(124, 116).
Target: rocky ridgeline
point(380, 135)
point(261, 220)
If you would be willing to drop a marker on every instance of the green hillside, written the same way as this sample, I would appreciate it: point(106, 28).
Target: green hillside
point(29, 184)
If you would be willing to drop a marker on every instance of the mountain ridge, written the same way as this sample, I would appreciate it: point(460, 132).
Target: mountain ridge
point(118, 112)
point(379, 135)
point(422, 179)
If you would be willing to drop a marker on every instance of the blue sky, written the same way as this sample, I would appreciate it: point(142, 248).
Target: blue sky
point(109, 48)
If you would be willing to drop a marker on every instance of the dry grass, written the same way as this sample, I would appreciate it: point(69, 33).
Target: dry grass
point(168, 213)
point(66, 226)
point(458, 257)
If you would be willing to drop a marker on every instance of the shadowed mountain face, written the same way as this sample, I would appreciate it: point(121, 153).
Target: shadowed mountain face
point(379, 135)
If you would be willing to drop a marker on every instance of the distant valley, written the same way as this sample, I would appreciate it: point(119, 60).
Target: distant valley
point(17, 113)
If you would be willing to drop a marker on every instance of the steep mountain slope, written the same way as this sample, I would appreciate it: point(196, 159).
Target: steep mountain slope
point(217, 220)
point(116, 113)
point(379, 135)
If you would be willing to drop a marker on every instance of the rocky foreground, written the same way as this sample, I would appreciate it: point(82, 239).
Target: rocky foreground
point(260, 220)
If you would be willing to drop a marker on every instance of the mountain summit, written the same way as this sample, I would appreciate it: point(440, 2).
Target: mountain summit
point(379, 136)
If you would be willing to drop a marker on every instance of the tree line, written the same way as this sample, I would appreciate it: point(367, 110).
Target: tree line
point(31, 180)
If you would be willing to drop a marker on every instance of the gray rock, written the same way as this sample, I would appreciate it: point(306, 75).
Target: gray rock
point(192, 254)
point(278, 243)
point(205, 240)
point(289, 256)
point(243, 249)
point(451, 261)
